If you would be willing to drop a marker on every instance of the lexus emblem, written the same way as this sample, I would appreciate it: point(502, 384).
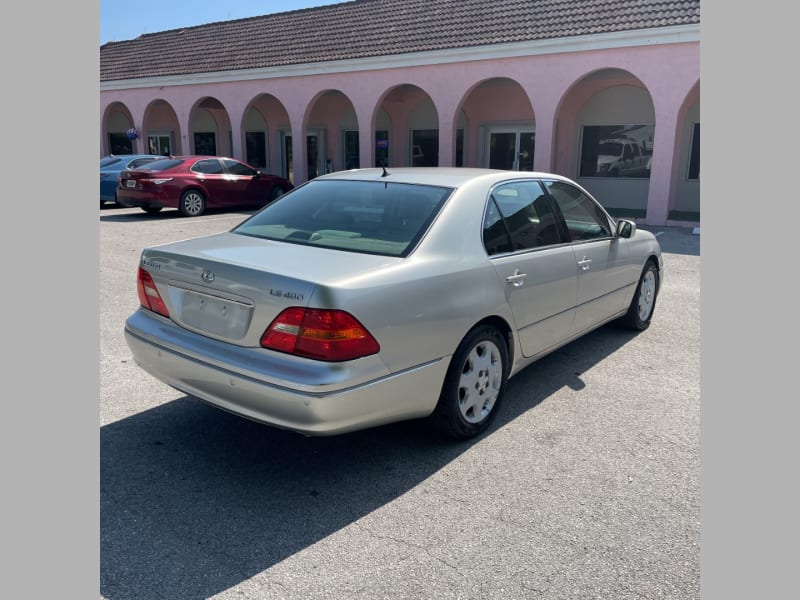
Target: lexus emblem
point(208, 275)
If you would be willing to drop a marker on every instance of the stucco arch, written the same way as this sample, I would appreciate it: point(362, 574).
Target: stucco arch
point(492, 103)
point(607, 103)
point(210, 128)
point(265, 122)
point(329, 122)
point(684, 193)
point(405, 106)
point(160, 120)
point(117, 119)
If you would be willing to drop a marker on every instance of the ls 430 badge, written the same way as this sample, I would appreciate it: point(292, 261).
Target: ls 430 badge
point(285, 294)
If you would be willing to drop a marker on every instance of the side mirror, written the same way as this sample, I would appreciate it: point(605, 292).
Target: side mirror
point(626, 228)
point(257, 175)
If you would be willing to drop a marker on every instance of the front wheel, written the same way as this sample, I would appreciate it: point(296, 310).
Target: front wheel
point(193, 204)
point(474, 384)
point(640, 312)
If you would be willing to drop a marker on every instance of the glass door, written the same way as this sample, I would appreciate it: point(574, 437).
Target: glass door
point(510, 149)
point(315, 153)
point(159, 143)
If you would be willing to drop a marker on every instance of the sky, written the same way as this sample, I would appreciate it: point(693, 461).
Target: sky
point(129, 19)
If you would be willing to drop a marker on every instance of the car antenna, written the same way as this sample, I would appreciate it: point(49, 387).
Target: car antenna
point(385, 172)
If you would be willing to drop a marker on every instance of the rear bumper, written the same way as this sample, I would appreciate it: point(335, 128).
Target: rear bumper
point(309, 397)
point(133, 198)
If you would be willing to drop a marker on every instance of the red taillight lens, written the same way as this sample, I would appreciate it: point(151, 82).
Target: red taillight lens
point(148, 294)
point(330, 335)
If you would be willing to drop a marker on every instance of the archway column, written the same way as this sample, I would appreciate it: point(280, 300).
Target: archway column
point(544, 142)
point(666, 154)
point(299, 158)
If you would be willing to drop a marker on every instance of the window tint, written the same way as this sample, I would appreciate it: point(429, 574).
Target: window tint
point(109, 160)
point(163, 164)
point(495, 235)
point(585, 219)
point(139, 162)
point(237, 168)
point(370, 217)
point(209, 166)
point(519, 217)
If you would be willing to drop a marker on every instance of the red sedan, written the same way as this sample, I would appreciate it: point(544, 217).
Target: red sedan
point(193, 184)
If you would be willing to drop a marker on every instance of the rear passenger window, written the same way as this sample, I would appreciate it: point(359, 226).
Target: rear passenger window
point(210, 166)
point(519, 217)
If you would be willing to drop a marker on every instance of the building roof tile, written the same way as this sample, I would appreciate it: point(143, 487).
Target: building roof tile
point(370, 28)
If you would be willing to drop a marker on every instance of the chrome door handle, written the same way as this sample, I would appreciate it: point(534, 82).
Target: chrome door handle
point(585, 263)
point(517, 279)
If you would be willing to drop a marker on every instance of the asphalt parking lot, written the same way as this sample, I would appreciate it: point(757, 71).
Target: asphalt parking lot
point(586, 486)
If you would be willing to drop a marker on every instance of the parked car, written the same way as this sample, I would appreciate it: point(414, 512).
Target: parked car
point(193, 184)
point(366, 297)
point(110, 168)
point(622, 158)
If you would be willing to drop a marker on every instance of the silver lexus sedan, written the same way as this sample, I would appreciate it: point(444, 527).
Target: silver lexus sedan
point(370, 296)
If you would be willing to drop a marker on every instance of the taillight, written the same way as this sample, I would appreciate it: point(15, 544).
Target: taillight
point(329, 335)
point(148, 294)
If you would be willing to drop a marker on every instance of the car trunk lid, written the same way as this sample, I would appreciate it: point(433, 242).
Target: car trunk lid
point(231, 287)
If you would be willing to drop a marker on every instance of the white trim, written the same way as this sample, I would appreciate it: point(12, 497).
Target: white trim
point(604, 41)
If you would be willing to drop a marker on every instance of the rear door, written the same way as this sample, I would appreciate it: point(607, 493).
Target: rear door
point(533, 262)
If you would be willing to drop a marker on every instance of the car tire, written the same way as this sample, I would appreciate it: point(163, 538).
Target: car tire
point(474, 384)
point(276, 192)
point(151, 210)
point(192, 204)
point(640, 312)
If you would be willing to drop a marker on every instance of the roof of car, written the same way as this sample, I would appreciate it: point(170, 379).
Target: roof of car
point(369, 28)
point(444, 176)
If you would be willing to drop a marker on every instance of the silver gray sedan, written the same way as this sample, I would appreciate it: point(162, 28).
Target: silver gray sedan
point(370, 296)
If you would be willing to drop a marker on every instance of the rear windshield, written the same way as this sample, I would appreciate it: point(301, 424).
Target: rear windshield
point(161, 164)
point(370, 217)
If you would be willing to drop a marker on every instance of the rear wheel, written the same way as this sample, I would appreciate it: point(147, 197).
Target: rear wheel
point(193, 204)
point(474, 384)
point(644, 299)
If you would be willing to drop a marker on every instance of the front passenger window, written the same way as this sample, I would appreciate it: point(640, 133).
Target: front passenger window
point(585, 219)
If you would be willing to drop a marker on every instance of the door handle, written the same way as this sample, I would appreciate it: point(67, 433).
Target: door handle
point(585, 263)
point(517, 279)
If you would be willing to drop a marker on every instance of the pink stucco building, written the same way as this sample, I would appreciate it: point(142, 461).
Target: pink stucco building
point(606, 92)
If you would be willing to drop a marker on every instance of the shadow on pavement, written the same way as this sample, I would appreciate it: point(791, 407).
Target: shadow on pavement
point(195, 501)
